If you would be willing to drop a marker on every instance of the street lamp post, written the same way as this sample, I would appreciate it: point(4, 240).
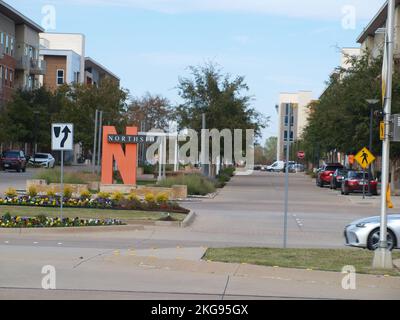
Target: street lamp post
point(36, 114)
point(371, 103)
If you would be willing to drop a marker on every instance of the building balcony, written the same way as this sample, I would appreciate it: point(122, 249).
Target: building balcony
point(33, 66)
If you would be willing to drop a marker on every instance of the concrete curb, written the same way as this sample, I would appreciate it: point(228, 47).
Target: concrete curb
point(397, 264)
point(188, 220)
point(71, 230)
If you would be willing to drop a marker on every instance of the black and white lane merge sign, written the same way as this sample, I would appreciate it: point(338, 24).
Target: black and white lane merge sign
point(62, 136)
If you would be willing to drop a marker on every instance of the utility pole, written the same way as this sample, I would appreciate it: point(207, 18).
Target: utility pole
point(285, 221)
point(100, 141)
point(204, 155)
point(383, 256)
point(96, 120)
point(371, 103)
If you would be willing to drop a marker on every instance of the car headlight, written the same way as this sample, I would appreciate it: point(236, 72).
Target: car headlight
point(361, 225)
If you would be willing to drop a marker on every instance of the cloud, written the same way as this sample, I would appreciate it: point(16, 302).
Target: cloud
point(327, 9)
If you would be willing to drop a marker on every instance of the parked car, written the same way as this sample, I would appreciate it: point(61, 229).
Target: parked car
point(365, 233)
point(296, 167)
point(277, 166)
point(337, 178)
point(45, 160)
point(325, 174)
point(13, 160)
point(354, 182)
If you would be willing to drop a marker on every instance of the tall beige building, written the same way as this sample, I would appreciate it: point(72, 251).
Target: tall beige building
point(372, 39)
point(299, 103)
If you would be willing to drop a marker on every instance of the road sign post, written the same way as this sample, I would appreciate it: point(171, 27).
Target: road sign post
point(62, 139)
point(365, 158)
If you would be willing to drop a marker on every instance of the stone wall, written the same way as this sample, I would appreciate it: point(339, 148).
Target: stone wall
point(174, 193)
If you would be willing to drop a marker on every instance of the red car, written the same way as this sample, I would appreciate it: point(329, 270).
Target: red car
point(325, 174)
point(13, 160)
point(355, 182)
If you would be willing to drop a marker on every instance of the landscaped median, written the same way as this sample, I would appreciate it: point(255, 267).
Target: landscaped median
point(102, 209)
point(311, 259)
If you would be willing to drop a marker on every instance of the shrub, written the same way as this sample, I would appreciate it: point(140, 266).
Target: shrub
point(149, 198)
point(67, 192)
point(85, 194)
point(7, 217)
point(11, 193)
point(103, 195)
point(117, 196)
point(54, 176)
point(162, 198)
point(51, 193)
point(42, 218)
point(196, 183)
point(32, 191)
point(133, 196)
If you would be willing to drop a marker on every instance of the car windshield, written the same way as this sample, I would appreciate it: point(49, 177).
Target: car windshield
point(11, 154)
point(331, 168)
point(40, 156)
point(358, 175)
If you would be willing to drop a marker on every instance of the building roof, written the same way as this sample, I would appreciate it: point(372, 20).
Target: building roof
point(89, 62)
point(377, 22)
point(18, 17)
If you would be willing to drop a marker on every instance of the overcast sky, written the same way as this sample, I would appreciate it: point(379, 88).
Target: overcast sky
point(279, 46)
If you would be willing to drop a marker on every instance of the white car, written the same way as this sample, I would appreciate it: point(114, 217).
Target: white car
point(277, 166)
point(365, 233)
point(45, 160)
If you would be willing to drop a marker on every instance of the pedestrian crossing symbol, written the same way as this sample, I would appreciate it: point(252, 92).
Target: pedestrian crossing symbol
point(365, 158)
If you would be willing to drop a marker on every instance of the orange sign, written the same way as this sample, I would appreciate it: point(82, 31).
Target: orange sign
point(351, 159)
point(126, 160)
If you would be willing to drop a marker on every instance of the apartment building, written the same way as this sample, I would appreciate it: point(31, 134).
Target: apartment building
point(298, 103)
point(372, 39)
point(64, 54)
point(95, 72)
point(20, 66)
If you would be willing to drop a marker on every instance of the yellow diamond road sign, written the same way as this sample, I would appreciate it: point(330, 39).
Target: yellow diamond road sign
point(365, 158)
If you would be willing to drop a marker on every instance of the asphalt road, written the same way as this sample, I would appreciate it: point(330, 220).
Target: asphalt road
point(248, 212)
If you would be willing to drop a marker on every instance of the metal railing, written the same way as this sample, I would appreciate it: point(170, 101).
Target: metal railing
point(34, 66)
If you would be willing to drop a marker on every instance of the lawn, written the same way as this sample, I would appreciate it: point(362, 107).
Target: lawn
point(124, 215)
point(316, 259)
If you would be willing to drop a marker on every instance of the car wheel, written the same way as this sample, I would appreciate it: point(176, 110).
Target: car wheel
point(374, 238)
point(24, 169)
point(19, 169)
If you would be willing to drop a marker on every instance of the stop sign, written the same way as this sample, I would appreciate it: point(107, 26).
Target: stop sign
point(301, 155)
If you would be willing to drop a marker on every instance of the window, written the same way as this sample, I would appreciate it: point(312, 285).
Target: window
point(11, 76)
point(2, 38)
point(60, 77)
point(12, 46)
point(6, 74)
point(1, 72)
point(7, 45)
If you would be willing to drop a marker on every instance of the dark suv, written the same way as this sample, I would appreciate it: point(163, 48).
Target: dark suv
point(325, 174)
point(13, 160)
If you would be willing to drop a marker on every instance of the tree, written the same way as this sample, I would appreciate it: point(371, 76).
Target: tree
point(271, 148)
point(153, 110)
point(220, 97)
point(80, 103)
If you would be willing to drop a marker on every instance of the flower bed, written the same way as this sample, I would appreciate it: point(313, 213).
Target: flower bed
point(8, 221)
point(100, 202)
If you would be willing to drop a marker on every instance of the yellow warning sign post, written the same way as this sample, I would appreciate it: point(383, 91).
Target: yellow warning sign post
point(365, 158)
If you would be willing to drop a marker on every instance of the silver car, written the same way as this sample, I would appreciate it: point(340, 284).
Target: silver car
point(365, 233)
